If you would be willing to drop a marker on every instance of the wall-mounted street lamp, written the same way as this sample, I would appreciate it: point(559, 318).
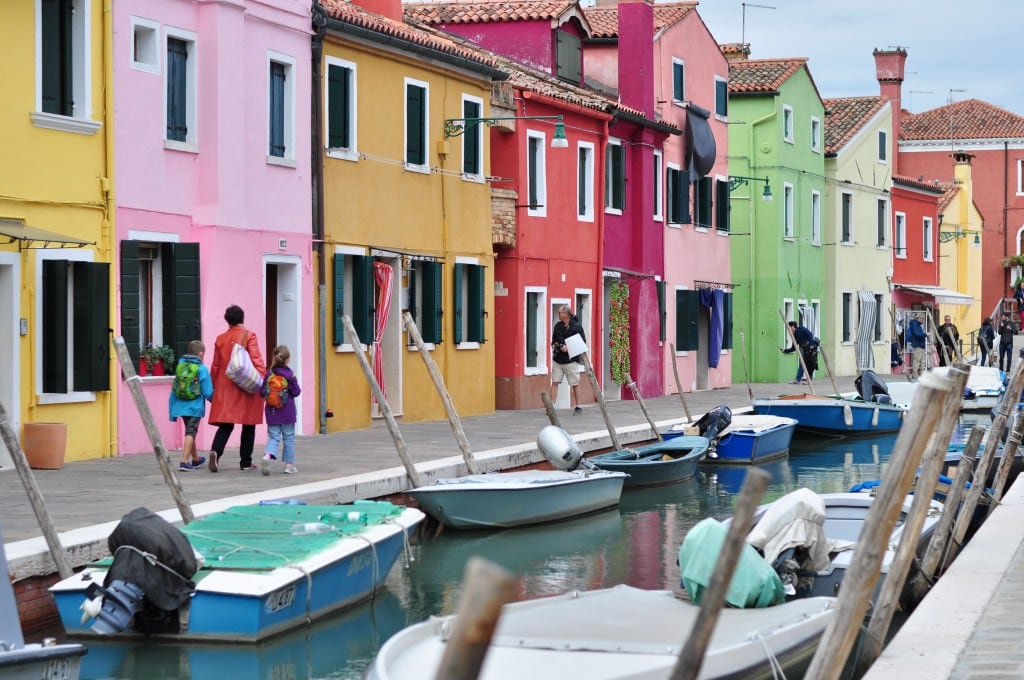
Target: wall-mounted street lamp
point(739, 180)
point(947, 236)
point(454, 127)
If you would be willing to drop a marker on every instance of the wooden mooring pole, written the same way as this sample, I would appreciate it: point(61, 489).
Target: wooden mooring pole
point(600, 401)
point(679, 386)
point(549, 408)
point(643, 407)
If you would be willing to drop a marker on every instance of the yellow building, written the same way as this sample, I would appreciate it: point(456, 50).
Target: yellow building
point(55, 221)
point(960, 249)
point(406, 216)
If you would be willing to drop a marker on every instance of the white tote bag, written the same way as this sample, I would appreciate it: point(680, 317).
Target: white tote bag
point(240, 369)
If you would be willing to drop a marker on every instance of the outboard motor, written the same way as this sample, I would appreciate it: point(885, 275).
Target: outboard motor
point(872, 388)
point(559, 448)
point(149, 579)
point(714, 421)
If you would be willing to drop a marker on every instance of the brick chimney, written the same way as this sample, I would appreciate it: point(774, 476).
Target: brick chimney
point(636, 55)
point(735, 51)
point(889, 68)
point(392, 9)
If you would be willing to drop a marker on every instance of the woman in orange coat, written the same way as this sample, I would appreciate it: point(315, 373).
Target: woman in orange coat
point(231, 404)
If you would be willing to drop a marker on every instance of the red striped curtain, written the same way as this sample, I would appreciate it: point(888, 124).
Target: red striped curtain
point(383, 273)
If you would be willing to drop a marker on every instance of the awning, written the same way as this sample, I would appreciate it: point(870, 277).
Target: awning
point(34, 237)
point(943, 296)
point(700, 142)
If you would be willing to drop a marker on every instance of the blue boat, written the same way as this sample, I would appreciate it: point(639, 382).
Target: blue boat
point(664, 462)
point(834, 416)
point(264, 569)
point(748, 440)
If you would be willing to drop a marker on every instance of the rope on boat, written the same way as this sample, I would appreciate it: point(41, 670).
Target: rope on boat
point(777, 671)
point(152, 559)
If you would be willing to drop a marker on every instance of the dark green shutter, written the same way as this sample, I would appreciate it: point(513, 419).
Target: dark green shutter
point(430, 324)
point(56, 47)
point(722, 213)
point(476, 304)
point(581, 182)
point(181, 301)
point(362, 297)
point(55, 326)
point(130, 325)
point(471, 139)
point(339, 82)
point(415, 114)
point(721, 98)
point(91, 314)
point(568, 57)
point(662, 310)
point(684, 197)
point(727, 321)
point(532, 354)
point(687, 302)
point(457, 304)
point(339, 299)
point(704, 201)
point(277, 78)
point(678, 82)
point(533, 151)
point(415, 271)
point(177, 91)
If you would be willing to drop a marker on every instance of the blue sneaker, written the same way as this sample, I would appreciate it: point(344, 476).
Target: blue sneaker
point(186, 467)
point(196, 464)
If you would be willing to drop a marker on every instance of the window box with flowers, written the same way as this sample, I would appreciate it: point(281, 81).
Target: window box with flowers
point(155, 360)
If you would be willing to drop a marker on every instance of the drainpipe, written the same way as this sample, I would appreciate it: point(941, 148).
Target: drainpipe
point(106, 186)
point(317, 178)
point(1006, 219)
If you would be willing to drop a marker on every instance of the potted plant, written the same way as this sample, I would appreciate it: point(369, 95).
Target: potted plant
point(155, 360)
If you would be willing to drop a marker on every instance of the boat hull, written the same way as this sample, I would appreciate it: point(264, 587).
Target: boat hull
point(249, 606)
point(511, 499)
point(665, 462)
point(834, 416)
point(620, 632)
point(38, 662)
point(748, 446)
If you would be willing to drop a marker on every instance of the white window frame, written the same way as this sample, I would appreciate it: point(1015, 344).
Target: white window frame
point(815, 134)
point(288, 160)
point(69, 397)
point(927, 235)
point(883, 204)
point(350, 153)
point(588, 181)
point(788, 216)
point(157, 293)
point(423, 168)
point(1020, 177)
point(853, 222)
point(347, 302)
point(883, 137)
point(477, 130)
point(541, 207)
point(543, 343)
point(900, 232)
point(788, 308)
point(586, 320)
point(614, 141)
point(191, 143)
point(847, 304)
point(660, 212)
point(815, 217)
point(466, 344)
point(668, 218)
point(80, 121)
point(880, 326)
point(677, 61)
point(151, 36)
point(787, 123)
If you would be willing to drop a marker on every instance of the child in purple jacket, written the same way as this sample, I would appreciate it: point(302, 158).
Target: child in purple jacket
point(280, 387)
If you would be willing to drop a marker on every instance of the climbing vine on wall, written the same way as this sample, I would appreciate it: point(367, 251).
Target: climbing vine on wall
point(619, 339)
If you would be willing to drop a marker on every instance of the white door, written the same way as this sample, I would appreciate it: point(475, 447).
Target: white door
point(9, 328)
point(283, 312)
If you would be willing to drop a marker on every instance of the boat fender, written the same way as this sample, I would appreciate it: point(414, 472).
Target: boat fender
point(847, 415)
point(874, 418)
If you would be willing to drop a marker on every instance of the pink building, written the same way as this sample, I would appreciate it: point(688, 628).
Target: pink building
point(213, 198)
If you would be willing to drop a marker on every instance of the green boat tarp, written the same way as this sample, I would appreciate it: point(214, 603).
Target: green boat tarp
point(754, 583)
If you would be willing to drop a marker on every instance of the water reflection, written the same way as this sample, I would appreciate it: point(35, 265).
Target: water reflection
point(636, 543)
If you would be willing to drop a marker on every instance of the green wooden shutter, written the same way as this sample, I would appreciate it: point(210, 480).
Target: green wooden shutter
point(339, 299)
point(727, 321)
point(476, 303)
point(55, 326)
point(687, 302)
point(568, 56)
point(177, 90)
point(457, 304)
point(704, 202)
point(678, 82)
point(721, 98)
point(182, 309)
point(362, 297)
point(91, 315)
point(532, 348)
point(57, 52)
point(471, 139)
point(722, 213)
point(130, 327)
point(415, 115)
point(430, 324)
point(339, 82)
point(662, 310)
point(277, 82)
point(415, 271)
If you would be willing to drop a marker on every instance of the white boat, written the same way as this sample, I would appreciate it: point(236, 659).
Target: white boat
point(34, 661)
point(523, 497)
point(620, 632)
point(984, 387)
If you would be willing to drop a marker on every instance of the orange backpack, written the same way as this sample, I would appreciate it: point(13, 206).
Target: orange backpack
point(275, 390)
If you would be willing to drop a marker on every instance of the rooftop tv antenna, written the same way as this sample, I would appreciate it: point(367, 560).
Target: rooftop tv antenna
point(743, 26)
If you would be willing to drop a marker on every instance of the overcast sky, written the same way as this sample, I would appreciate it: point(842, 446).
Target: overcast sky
point(951, 44)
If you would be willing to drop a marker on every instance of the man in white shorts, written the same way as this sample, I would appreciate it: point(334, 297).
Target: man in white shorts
point(563, 365)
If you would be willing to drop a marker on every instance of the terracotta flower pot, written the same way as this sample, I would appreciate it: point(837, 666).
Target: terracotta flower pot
point(44, 445)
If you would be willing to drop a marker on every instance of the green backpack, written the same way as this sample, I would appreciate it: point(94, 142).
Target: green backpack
point(186, 381)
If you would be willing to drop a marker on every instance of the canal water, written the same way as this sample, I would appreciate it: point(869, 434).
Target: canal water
point(636, 543)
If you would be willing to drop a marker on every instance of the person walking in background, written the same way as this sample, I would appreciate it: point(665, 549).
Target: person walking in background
point(564, 366)
point(1007, 329)
point(986, 341)
point(916, 339)
point(280, 387)
point(808, 344)
point(191, 389)
point(949, 336)
point(1018, 297)
point(231, 404)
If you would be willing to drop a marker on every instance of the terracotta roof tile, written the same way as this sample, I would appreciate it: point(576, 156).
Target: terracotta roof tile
point(949, 191)
point(604, 21)
point(845, 117)
point(762, 75)
point(968, 119)
point(348, 13)
point(482, 11)
point(917, 183)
